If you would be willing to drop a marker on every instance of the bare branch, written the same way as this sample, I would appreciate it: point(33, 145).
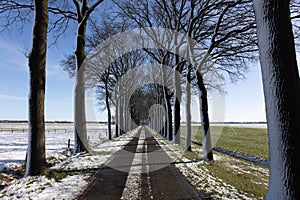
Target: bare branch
point(77, 5)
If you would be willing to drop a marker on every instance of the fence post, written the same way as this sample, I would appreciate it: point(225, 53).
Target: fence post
point(69, 141)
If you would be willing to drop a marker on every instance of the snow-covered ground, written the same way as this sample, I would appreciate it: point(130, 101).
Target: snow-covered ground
point(13, 145)
point(73, 181)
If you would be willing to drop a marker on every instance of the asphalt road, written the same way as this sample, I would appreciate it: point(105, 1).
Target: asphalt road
point(141, 170)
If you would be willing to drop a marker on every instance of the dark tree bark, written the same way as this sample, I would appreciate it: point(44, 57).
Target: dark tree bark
point(121, 118)
point(108, 117)
point(282, 96)
point(206, 136)
point(117, 117)
point(159, 112)
point(177, 98)
point(107, 105)
point(36, 153)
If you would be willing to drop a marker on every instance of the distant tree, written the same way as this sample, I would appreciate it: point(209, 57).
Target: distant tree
point(225, 29)
point(117, 92)
point(140, 102)
point(282, 95)
point(107, 77)
point(165, 58)
point(157, 88)
point(36, 154)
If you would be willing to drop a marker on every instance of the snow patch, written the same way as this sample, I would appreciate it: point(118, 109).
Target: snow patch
point(41, 187)
point(70, 187)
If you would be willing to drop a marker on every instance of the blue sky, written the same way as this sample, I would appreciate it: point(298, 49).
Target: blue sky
point(14, 82)
point(244, 100)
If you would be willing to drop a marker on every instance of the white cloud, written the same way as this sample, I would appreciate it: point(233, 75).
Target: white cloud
point(55, 70)
point(11, 55)
point(9, 97)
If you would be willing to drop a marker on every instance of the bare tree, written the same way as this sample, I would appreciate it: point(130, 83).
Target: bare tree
point(225, 29)
point(63, 13)
point(164, 58)
point(36, 153)
point(281, 89)
point(14, 12)
point(20, 13)
point(107, 75)
point(83, 12)
point(107, 101)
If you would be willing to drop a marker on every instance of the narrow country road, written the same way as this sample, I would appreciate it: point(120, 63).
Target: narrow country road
point(141, 170)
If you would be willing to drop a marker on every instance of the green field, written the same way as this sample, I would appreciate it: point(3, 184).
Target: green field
point(243, 175)
point(245, 140)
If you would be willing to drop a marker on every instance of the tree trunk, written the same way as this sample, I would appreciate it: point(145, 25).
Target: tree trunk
point(80, 115)
point(109, 122)
point(125, 114)
point(206, 136)
point(159, 119)
point(121, 121)
point(36, 153)
point(108, 107)
point(170, 126)
point(176, 111)
point(188, 146)
point(166, 127)
point(282, 96)
point(117, 117)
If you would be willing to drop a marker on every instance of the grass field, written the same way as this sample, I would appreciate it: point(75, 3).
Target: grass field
point(242, 139)
point(244, 176)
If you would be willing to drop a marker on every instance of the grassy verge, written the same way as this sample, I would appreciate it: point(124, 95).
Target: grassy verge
point(246, 177)
point(245, 140)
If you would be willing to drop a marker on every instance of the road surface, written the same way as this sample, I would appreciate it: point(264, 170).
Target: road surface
point(141, 170)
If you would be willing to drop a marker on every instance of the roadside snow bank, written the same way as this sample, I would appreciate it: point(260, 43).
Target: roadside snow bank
point(41, 187)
